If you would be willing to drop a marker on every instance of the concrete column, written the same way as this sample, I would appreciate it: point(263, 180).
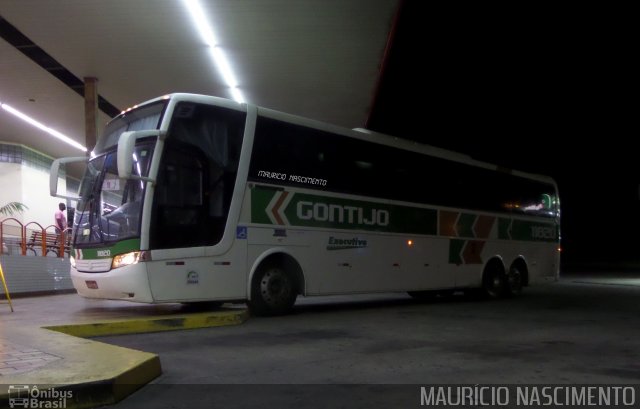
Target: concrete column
point(90, 112)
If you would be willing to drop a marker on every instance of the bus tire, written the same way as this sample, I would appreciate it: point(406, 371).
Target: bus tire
point(514, 282)
point(494, 281)
point(273, 291)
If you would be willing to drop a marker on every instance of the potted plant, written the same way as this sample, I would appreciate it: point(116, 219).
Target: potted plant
point(11, 208)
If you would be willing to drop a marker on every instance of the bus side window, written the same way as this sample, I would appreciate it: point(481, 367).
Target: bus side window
point(179, 205)
point(196, 184)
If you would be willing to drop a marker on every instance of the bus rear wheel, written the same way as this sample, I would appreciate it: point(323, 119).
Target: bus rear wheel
point(514, 282)
point(273, 292)
point(494, 282)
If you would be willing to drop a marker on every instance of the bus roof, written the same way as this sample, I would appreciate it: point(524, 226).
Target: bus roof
point(358, 133)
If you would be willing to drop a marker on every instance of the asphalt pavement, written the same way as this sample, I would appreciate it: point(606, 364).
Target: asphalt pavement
point(382, 350)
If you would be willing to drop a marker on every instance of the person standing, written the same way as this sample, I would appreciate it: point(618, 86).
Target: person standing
point(61, 220)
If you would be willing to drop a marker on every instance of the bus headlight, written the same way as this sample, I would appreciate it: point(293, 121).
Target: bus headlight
point(126, 259)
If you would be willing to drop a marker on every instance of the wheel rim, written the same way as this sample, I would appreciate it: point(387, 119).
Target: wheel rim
point(495, 284)
point(515, 281)
point(275, 287)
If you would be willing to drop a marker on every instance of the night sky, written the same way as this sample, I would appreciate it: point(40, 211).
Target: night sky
point(545, 90)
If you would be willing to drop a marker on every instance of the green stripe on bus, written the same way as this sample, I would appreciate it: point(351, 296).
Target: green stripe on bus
point(120, 247)
point(285, 208)
point(509, 229)
point(300, 209)
point(533, 231)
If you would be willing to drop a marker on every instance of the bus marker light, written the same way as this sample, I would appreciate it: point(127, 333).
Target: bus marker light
point(409, 243)
point(145, 255)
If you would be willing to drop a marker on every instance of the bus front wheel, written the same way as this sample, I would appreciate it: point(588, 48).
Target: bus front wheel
point(273, 292)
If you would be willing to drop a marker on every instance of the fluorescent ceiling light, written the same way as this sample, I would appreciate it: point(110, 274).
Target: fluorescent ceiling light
point(201, 23)
point(43, 127)
point(208, 37)
point(222, 63)
point(237, 95)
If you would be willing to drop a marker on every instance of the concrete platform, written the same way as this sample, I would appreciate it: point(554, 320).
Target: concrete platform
point(42, 356)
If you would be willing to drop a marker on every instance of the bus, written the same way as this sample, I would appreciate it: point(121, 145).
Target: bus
point(191, 198)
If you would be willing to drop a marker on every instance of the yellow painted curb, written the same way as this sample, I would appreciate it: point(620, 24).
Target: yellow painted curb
point(90, 374)
point(143, 325)
point(94, 394)
point(98, 374)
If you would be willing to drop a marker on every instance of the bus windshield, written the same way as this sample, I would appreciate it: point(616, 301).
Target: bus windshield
point(140, 119)
point(110, 208)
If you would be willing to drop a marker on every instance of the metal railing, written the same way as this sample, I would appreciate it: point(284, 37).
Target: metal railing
point(19, 238)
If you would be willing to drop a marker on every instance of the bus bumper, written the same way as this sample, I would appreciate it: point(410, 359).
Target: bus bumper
point(128, 283)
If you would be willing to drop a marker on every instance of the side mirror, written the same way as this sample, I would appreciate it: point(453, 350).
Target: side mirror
point(126, 145)
point(54, 175)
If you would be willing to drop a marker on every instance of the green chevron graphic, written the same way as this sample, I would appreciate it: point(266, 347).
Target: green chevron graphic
point(465, 225)
point(455, 251)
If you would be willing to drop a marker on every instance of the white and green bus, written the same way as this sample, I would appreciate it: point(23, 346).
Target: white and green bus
point(191, 198)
